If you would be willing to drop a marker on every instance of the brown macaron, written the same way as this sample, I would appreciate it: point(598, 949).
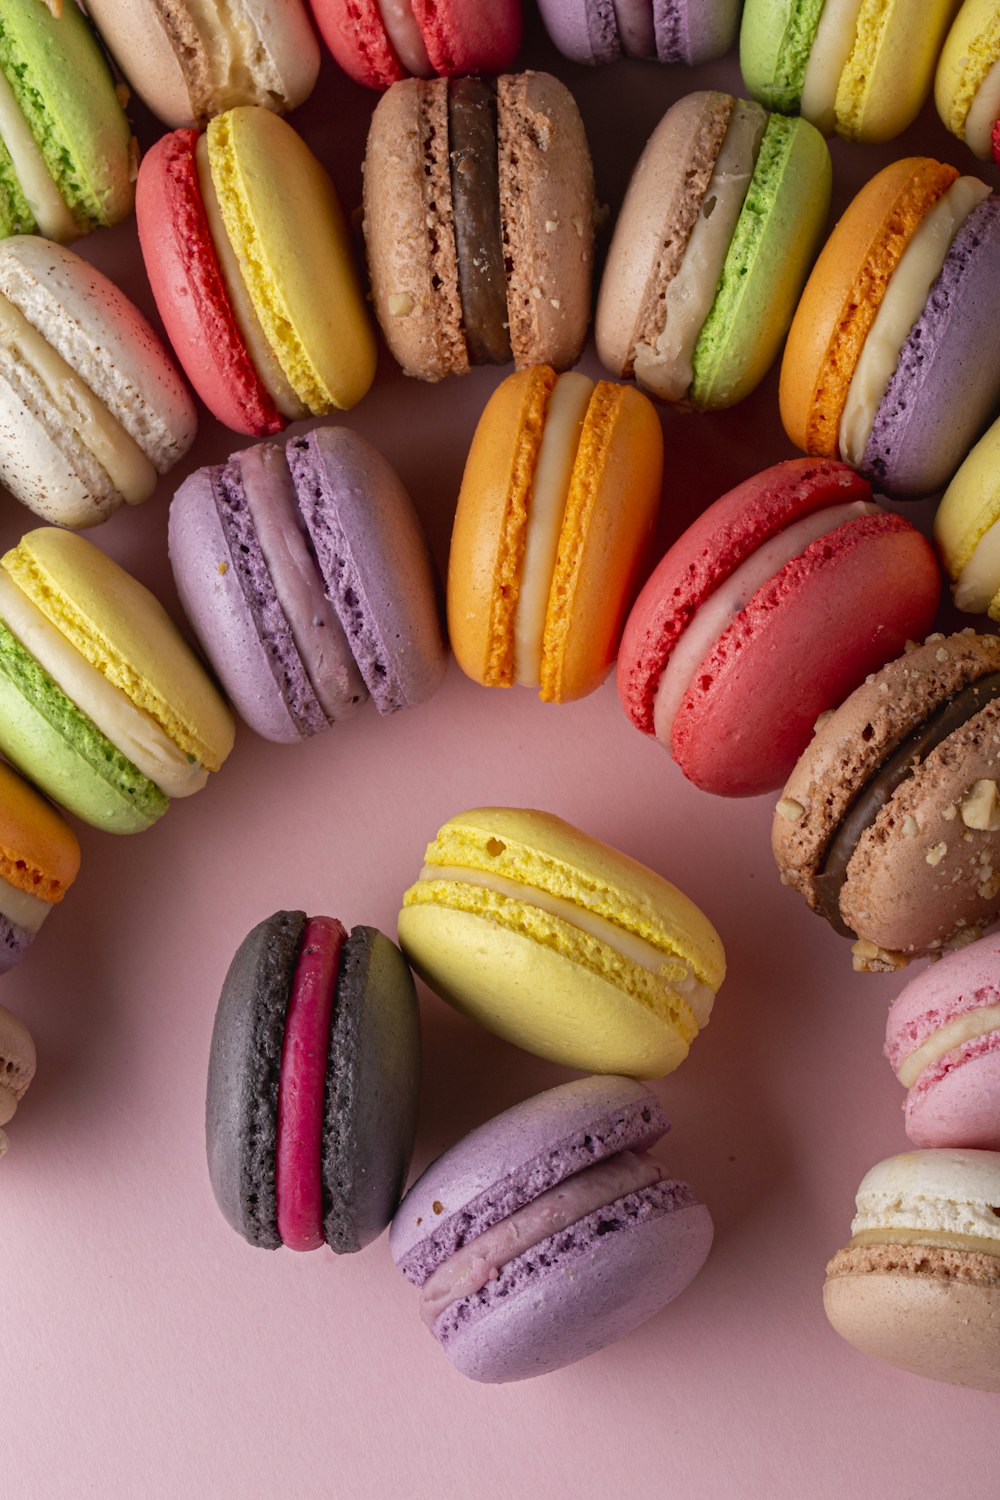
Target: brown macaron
point(479, 223)
point(890, 822)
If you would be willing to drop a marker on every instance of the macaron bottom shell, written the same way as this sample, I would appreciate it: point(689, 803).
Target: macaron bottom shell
point(958, 1103)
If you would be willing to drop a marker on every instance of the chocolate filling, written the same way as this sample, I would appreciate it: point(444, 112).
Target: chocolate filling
point(475, 192)
point(949, 716)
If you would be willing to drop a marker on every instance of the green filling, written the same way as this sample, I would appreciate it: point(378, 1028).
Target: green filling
point(15, 214)
point(67, 96)
point(784, 89)
point(141, 799)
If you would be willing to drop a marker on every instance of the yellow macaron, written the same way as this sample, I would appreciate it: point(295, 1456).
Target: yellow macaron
point(967, 529)
point(967, 83)
point(561, 944)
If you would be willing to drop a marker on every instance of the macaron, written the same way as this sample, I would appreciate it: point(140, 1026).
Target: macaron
point(861, 68)
point(550, 1231)
point(379, 42)
point(720, 224)
point(892, 363)
point(188, 61)
point(889, 824)
point(305, 574)
point(942, 1038)
point(667, 31)
point(92, 410)
point(479, 223)
point(967, 82)
point(39, 861)
point(918, 1283)
point(556, 512)
point(102, 704)
point(313, 1079)
point(67, 153)
point(561, 944)
point(780, 599)
point(17, 1068)
point(250, 263)
point(966, 529)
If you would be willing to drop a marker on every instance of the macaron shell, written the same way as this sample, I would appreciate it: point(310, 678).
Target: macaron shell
point(17, 1056)
point(470, 36)
point(803, 643)
point(960, 1106)
point(891, 68)
point(971, 505)
point(372, 1090)
point(776, 38)
point(706, 28)
point(944, 1328)
point(971, 47)
point(585, 1298)
point(585, 31)
point(191, 297)
point(39, 852)
point(355, 33)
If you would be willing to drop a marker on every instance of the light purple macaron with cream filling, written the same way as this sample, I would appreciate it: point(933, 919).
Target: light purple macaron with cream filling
point(670, 31)
point(305, 574)
point(550, 1231)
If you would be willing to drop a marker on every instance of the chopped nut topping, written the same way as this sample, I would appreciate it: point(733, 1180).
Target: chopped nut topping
point(936, 853)
point(938, 635)
point(981, 806)
point(551, 225)
point(223, 568)
point(910, 826)
point(941, 654)
point(790, 809)
point(911, 646)
point(400, 305)
point(963, 937)
point(869, 958)
point(950, 813)
point(823, 718)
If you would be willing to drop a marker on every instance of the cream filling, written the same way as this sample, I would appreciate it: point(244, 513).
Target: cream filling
point(975, 1244)
point(241, 71)
point(129, 729)
point(50, 211)
point(665, 367)
point(964, 1028)
point(904, 300)
point(264, 359)
point(731, 597)
point(671, 968)
point(406, 37)
point(979, 580)
point(922, 1213)
point(984, 111)
point(118, 454)
point(832, 46)
point(547, 506)
point(22, 908)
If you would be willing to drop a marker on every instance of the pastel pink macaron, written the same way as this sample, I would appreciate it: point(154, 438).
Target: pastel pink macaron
point(770, 609)
point(942, 1038)
point(378, 42)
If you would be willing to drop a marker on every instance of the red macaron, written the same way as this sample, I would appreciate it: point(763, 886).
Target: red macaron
point(378, 42)
point(770, 609)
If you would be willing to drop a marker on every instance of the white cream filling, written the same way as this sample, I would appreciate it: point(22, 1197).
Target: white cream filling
point(241, 70)
point(832, 46)
point(964, 1028)
point(132, 731)
point(665, 367)
point(880, 1211)
point(118, 454)
point(50, 211)
point(406, 37)
point(904, 300)
point(984, 111)
point(731, 597)
point(674, 970)
point(546, 508)
point(264, 359)
point(977, 584)
point(22, 908)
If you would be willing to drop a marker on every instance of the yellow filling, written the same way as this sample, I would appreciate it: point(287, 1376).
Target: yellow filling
point(963, 1029)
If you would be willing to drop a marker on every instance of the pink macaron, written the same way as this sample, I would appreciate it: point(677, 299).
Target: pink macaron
point(378, 42)
point(942, 1038)
point(770, 609)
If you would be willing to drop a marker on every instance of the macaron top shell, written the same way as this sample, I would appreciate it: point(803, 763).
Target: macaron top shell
point(969, 509)
point(190, 62)
point(967, 82)
point(39, 852)
point(477, 36)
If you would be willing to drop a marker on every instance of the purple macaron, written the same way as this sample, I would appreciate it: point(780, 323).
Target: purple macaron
point(550, 1231)
point(670, 31)
point(305, 574)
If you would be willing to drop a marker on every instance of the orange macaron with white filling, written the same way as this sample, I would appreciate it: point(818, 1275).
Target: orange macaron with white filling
point(557, 508)
point(39, 860)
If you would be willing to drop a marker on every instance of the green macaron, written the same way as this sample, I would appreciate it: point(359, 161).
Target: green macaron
point(67, 155)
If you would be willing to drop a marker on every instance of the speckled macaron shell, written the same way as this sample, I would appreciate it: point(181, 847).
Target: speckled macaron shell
point(586, 1288)
point(955, 1098)
point(918, 875)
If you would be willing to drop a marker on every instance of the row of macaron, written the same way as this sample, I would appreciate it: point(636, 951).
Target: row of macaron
point(889, 363)
point(860, 70)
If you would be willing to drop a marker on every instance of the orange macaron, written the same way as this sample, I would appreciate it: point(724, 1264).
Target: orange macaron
point(39, 860)
point(557, 508)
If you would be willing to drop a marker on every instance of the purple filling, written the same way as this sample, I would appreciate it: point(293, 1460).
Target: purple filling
point(947, 382)
point(14, 943)
point(269, 618)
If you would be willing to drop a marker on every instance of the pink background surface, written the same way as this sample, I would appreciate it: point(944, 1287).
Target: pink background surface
point(149, 1351)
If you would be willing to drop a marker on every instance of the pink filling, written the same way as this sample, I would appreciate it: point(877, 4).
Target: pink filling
point(298, 1184)
point(469, 1269)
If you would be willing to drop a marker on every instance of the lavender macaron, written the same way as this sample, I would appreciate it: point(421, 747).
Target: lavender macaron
point(550, 1231)
point(305, 574)
point(670, 31)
